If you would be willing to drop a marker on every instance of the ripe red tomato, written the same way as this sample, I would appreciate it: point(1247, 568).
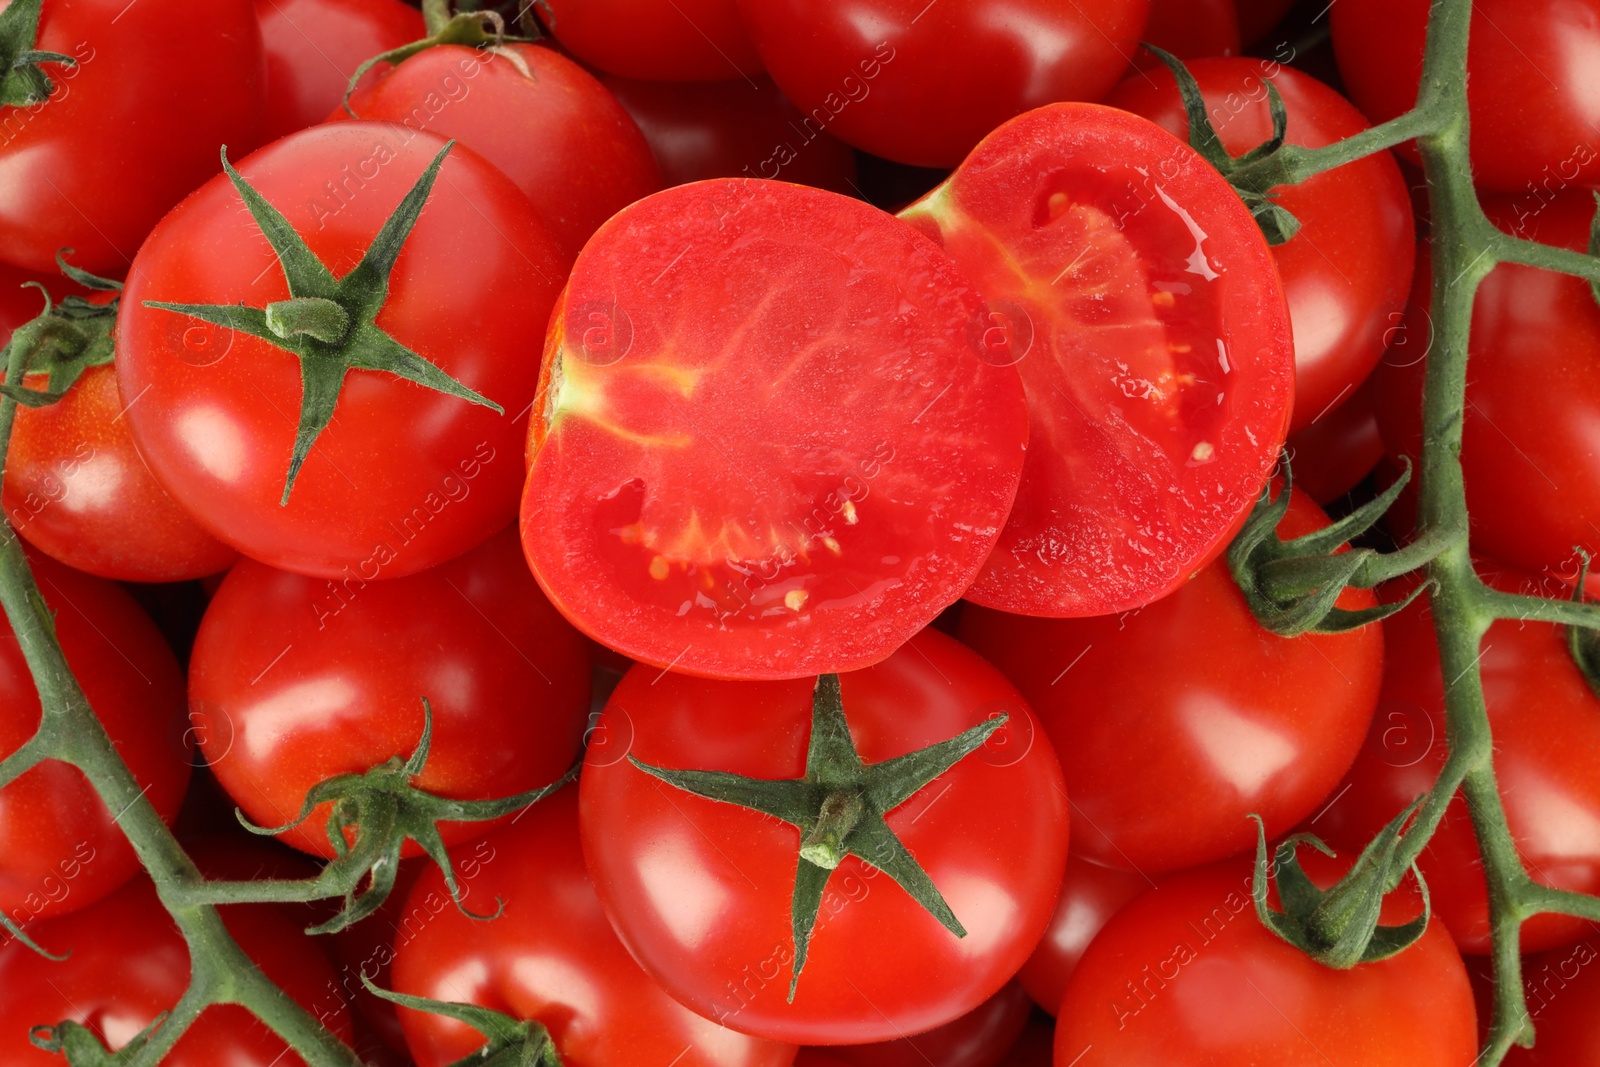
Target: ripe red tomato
point(1192, 29)
point(1530, 449)
point(1186, 976)
point(313, 46)
point(404, 477)
point(661, 40)
point(1347, 272)
point(1563, 991)
point(1546, 725)
point(1331, 456)
point(733, 129)
point(977, 1039)
point(538, 116)
point(1090, 895)
point(129, 129)
point(1135, 294)
point(294, 680)
point(922, 83)
point(1529, 69)
point(766, 444)
point(129, 963)
point(60, 847)
point(550, 956)
point(700, 891)
point(1165, 767)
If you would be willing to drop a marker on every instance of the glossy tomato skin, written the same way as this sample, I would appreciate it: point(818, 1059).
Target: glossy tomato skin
point(661, 40)
point(129, 963)
point(538, 116)
point(404, 477)
point(1528, 68)
point(767, 445)
point(1090, 895)
point(1530, 451)
point(60, 848)
point(1178, 722)
point(1546, 725)
point(977, 1039)
point(77, 489)
point(550, 956)
point(1159, 372)
point(700, 892)
point(1187, 976)
point(295, 680)
point(1334, 453)
point(922, 84)
point(733, 129)
point(1563, 991)
point(313, 46)
point(1347, 272)
point(127, 132)
point(1193, 29)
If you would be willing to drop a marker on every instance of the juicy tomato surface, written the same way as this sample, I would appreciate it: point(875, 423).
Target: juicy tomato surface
point(1187, 976)
point(922, 83)
point(294, 680)
point(538, 116)
point(1090, 895)
point(1530, 451)
point(1347, 272)
point(550, 956)
point(734, 129)
point(977, 1039)
point(1529, 83)
point(60, 847)
point(662, 40)
point(128, 129)
point(1165, 765)
point(700, 891)
point(765, 444)
point(314, 46)
point(403, 477)
point(129, 964)
point(1135, 294)
point(1546, 725)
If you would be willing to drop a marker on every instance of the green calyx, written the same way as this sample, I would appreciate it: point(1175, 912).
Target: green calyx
point(1292, 587)
point(1254, 174)
point(467, 26)
point(23, 81)
point(511, 1042)
point(839, 808)
point(1339, 927)
point(1583, 642)
point(383, 807)
point(65, 339)
point(83, 1047)
point(330, 324)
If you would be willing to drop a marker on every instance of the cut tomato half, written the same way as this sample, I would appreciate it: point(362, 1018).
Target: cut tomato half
point(766, 445)
point(1135, 294)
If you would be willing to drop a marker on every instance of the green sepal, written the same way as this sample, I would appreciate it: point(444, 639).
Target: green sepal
point(468, 26)
point(23, 82)
point(1594, 246)
point(1582, 642)
point(1254, 174)
point(83, 1047)
point(21, 935)
point(1339, 926)
point(330, 324)
point(510, 1042)
point(382, 808)
point(65, 339)
point(1292, 586)
point(839, 807)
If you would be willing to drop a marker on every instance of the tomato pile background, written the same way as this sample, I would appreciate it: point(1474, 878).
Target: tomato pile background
point(705, 536)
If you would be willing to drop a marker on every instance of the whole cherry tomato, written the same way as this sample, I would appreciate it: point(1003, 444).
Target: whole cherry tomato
point(922, 83)
point(550, 956)
point(60, 846)
point(400, 478)
point(129, 127)
point(1336, 451)
point(707, 895)
point(1165, 767)
point(313, 46)
point(296, 680)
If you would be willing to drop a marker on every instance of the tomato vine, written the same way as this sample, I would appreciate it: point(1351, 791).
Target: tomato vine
point(1465, 247)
